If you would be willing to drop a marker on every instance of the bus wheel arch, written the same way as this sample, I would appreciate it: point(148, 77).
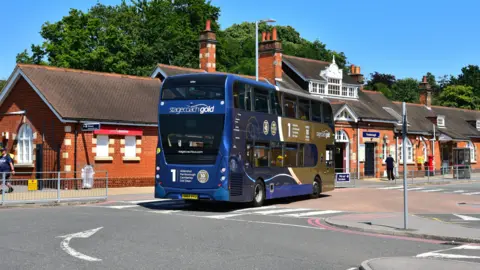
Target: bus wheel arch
point(317, 186)
point(259, 193)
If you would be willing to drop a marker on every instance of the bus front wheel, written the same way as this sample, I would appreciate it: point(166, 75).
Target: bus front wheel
point(258, 193)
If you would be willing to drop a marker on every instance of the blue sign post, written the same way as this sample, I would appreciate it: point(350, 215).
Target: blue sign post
point(369, 134)
point(342, 177)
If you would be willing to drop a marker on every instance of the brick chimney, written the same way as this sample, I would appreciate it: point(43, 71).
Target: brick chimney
point(208, 41)
point(425, 92)
point(270, 56)
point(356, 74)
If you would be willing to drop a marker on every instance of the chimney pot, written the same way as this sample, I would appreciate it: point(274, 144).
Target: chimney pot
point(424, 80)
point(274, 34)
point(268, 35)
point(357, 69)
point(208, 28)
point(264, 35)
point(352, 69)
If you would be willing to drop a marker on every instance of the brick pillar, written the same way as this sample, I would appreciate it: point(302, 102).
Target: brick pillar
point(208, 41)
point(425, 92)
point(270, 57)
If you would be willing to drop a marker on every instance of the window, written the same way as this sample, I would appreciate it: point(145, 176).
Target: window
point(473, 152)
point(329, 156)
point(261, 100)
point(194, 87)
point(25, 141)
point(334, 87)
point(300, 156)
point(290, 155)
point(313, 87)
point(478, 125)
point(316, 111)
point(102, 146)
point(409, 152)
point(441, 121)
point(275, 102)
point(241, 96)
point(425, 151)
point(352, 91)
point(344, 91)
point(341, 136)
point(130, 146)
point(277, 155)
point(310, 155)
point(290, 106)
point(327, 114)
point(304, 109)
point(321, 88)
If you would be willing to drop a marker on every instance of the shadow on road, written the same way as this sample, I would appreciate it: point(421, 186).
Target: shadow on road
point(220, 207)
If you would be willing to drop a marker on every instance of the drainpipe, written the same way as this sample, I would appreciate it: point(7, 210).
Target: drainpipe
point(75, 155)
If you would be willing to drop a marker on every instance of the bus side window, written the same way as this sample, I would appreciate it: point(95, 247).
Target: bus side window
point(262, 151)
point(316, 111)
point(290, 155)
point(304, 109)
point(250, 154)
point(310, 154)
point(241, 96)
point(327, 113)
point(275, 102)
point(261, 100)
point(290, 106)
point(277, 157)
point(300, 155)
point(329, 156)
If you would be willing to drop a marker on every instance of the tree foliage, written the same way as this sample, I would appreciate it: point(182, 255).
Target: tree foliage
point(132, 39)
point(385, 79)
point(2, 84)
point(459, 96)
point(405, 90)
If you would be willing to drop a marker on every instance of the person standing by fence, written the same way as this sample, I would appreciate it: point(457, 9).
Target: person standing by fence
point(390, 164)
point(6, 168)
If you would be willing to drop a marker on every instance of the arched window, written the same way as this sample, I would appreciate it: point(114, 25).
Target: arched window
point(473, 152)
point(24, 147)
point(409, 151)
point(341, 136)
point(424, 151)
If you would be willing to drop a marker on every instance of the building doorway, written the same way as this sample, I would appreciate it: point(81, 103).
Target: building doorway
point(369, 159)
point(342, 152)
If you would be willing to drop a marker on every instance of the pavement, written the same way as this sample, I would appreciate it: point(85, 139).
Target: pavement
point(402, 263)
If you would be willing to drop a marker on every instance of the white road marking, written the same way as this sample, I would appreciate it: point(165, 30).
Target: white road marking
point(458, 191)
point(278, 211)
point(469, 218)
point(431, 190)
point(437, 254)
point(255, 208)
point(276, 223)
point(417, 188)
point(472, 193)
point(467, 247)
point(314, 213)
point(147, 201)
point(66, 241)
point(397, 187)
point(224, 216)
point(121, 206)
point(163, 211)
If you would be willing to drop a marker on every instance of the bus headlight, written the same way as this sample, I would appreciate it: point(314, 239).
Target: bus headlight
point(222, 178)
point(223, 170)
point(158, 168)
point(158, 176)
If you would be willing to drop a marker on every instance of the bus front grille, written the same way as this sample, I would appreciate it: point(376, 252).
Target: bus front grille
point(236, 184)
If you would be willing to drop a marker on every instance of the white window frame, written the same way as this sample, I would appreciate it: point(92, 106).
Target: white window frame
point(25, 145)
point(102, 149)
point(129, 152)
point(441, 121)
point(473, 152)
point(409, 151)
point(425, 152)
point(478, 125)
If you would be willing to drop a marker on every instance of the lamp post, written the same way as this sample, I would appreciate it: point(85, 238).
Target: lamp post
point(256, 44)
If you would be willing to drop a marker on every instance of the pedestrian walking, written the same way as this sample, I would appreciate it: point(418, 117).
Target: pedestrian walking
point(6, 167)
point(390, 165)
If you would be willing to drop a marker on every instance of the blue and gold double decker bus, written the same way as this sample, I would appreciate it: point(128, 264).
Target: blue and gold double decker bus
point(223, 137)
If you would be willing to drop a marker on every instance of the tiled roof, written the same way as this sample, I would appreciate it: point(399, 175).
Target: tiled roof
point(417, 117)
point(456, 125)
point(86, 95)
point(288, 83)
point(310, 69)
point(174, 70)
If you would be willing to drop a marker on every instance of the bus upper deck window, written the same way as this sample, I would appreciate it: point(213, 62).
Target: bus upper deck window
point(290, 107)
point(316, 111)
point(241, 96)
point(304, 109)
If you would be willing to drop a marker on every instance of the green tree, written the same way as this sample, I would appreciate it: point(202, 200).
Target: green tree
point(470, 76)
point(128, 39)
point(385, 79)
point(383, 88)
point(2, 84)
point(459, 96)
point(405, 90)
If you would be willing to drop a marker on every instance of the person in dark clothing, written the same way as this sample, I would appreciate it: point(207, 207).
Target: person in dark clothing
point(390, 165)
point(6, 167)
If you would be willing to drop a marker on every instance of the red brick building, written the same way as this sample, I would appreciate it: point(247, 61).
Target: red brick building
point(43, 109)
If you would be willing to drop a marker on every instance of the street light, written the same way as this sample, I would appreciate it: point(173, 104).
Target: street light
point(256, 44)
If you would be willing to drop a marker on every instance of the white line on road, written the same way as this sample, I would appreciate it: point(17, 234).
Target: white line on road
point(256, 208)
point(314, 213)
point(224, 216)
point(417, 188)
point(446, 256)
point(467, 247)
point(121, 206)
point(469, 218)
point(431, 190)
point(275, 223)
point(66, 241)
point(472, 193)
point(147, 201)
point(458, 191)
point(397, 187)
point(163, 211)
point(278, 211)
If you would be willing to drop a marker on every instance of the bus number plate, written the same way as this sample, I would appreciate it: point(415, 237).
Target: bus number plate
point(190, 196)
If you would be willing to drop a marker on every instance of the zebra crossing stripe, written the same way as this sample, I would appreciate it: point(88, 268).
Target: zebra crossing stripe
point(431, 190)
point(472, 193)
point(396, 187)
point(468, 218)
point(256, 208)
point(313, 213)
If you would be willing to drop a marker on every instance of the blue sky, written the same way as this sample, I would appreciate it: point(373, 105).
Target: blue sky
point(405, 38)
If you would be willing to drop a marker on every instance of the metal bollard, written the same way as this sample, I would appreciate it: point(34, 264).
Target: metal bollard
point(3, 187)
point(106, 188)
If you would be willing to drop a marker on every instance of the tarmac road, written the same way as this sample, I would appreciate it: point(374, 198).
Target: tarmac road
point(132, 236)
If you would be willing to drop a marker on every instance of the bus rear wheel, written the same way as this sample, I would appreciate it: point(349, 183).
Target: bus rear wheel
point(258, 193)
point(316, 188)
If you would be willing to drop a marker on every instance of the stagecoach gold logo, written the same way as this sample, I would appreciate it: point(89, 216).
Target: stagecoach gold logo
point(265, 127)
point(202, 176)
point(273, 128)
point(323, 134)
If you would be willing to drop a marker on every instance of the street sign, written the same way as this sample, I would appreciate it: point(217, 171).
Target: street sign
point(32, 185)
point(90, 126)
point(369, 134)
point(342, 177)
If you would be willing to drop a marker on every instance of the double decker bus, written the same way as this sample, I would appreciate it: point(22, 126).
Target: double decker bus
point(222, 137)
